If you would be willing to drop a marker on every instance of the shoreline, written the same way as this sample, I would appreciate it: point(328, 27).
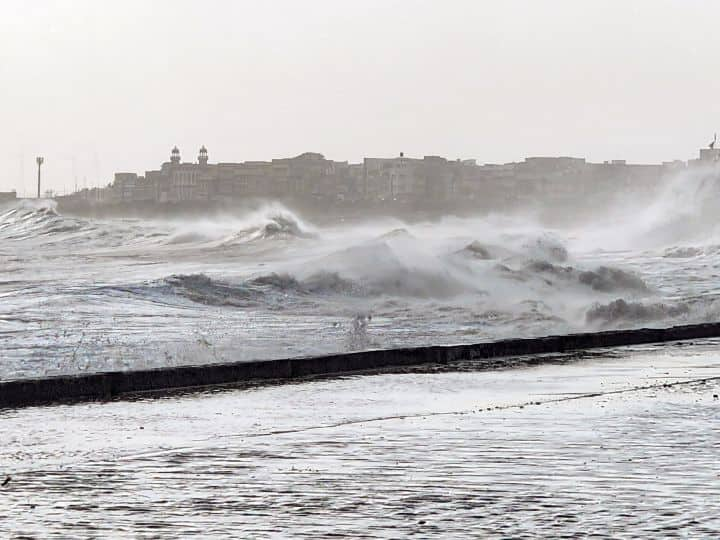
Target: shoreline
point(103, 386)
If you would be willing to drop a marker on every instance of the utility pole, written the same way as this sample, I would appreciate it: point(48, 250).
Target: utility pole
point(39, 160)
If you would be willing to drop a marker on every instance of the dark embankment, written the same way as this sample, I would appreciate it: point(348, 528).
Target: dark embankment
point(103, 386)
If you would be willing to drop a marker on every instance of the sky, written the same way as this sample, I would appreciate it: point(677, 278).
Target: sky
point(97, 87)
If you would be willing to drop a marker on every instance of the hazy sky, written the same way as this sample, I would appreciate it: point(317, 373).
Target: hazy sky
point(100, 86)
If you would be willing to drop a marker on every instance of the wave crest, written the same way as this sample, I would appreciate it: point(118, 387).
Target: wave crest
point(29, 219)
point(602, 279)
point(620, 312)
point(273, 222)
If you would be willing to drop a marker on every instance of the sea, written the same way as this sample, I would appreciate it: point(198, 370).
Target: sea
point(87, 294)
point(619, 443)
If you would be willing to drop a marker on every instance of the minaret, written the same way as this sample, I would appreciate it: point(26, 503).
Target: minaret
point(175, 156)
point(203, 156)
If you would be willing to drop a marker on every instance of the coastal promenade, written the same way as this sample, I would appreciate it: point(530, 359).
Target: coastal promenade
point(491, 355)
point(617, 444)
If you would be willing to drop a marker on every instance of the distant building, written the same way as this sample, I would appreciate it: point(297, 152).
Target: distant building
point(709, 156)
point(427, 180)
point(181, 182)
point(124, 186)
point(306, 175)
point(393, 178)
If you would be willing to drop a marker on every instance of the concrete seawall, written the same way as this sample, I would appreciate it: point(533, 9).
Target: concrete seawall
point(103, 386)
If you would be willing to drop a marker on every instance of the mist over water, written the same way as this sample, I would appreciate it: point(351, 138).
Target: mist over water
point(82, 294)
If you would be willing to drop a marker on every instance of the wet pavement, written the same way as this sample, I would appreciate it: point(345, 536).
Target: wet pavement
point(621, 446)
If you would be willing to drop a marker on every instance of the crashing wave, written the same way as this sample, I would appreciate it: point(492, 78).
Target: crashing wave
point(332, 282)
point(283, 282)
point(602, 279)
point(685, 252)
point(283, 226)
point(205, 290)
point(517, 248)
point(272, 223)
point(187, 238)
point(273, 286)
point(316, 283)
point(33, 219)
point(547, 248)
point(607, 279)
point(384, 268)
point(399, 233)
point(621, 312)
point(476, 250)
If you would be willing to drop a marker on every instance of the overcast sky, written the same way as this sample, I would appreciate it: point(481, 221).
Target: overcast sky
point(100, 86)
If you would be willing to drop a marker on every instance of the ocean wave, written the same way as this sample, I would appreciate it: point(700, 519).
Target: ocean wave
point(272, 288)
point(203, 289)
point(273, 222)
point(622, 313)
point(29, 219)
point(184, 238)
point(317, 283)
point(384, 267)
point(40, 222)
point(689, 252)
point(516, 248)
point(684, 252)
point(398, 233)
point(476, 250)
point(546, 247)
point(602, 279)
point(404, 283)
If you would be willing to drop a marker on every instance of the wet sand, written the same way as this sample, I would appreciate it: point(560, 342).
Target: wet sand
point(623, 445)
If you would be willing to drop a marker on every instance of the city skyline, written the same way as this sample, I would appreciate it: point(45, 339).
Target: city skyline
point(28, 190)
point(97, 89)
point(402, 179)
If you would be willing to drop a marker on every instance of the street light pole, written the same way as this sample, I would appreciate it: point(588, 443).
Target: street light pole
point(39, 160)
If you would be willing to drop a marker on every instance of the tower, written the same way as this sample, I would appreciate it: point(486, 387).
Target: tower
point(203, 156)
point(175, 156)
